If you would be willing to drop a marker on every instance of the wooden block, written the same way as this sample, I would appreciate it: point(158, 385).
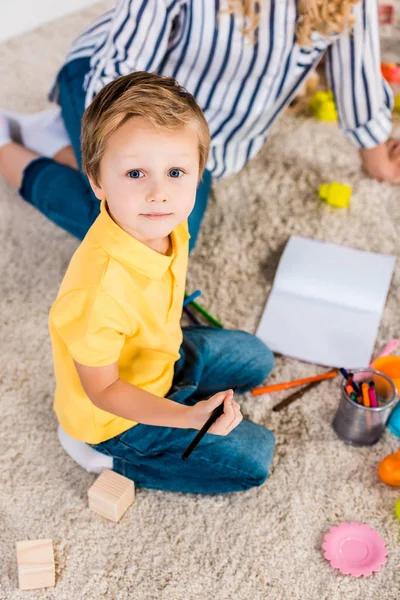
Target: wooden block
point(35, 559)
point(111, 495)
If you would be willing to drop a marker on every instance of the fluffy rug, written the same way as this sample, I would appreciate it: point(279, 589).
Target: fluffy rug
point(265, 543)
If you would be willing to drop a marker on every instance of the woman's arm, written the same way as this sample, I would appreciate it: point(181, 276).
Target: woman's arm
point(137, 41)
point(363, 98)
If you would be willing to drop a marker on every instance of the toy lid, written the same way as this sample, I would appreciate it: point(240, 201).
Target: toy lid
point(355, 549)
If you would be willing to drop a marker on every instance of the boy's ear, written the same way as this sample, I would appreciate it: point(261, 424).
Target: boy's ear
point(97, 189)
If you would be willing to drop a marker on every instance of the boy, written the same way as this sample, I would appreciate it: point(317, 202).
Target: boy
point(128, 380)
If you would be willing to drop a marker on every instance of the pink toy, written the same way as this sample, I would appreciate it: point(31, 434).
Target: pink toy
point(354, 549)
point(387, 350)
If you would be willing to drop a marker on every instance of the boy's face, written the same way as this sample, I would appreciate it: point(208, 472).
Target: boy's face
point(149, 178)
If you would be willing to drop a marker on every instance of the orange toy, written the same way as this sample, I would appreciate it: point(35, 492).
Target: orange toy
point(391, 72)
point(389, 469)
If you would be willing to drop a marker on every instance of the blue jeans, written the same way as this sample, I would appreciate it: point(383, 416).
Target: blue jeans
point(211, 360)
point(64, 194)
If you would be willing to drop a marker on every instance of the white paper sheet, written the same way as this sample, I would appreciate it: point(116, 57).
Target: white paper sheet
point(326, 303)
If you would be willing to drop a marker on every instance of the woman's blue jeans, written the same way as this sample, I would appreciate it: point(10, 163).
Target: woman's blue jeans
point(211, 360)
point(64, 194)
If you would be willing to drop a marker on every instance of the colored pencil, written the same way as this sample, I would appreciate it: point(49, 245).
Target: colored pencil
point(372, 395)
point(191, 298)
point(354, 398)
point(365, 395)
point(191, 316)
point(289, 384)
point(206, 315)
point(296, 395)
point(216, 413)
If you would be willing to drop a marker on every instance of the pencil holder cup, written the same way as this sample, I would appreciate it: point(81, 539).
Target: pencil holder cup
point(361, 425)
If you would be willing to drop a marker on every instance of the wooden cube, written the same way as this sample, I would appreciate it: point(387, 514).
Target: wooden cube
point(35, 559)
point(111, 495)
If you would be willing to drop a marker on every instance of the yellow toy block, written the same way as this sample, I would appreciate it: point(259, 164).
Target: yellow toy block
point(397, 103)
point(111, 495)
point(335, 194)
point(317, 99)
point(322, 105)
point(327, 112)
point(35, 561)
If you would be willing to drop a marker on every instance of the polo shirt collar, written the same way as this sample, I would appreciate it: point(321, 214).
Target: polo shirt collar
point(127, 249)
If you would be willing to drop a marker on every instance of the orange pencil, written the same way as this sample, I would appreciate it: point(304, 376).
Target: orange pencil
point(365, 394)
point(289, 384)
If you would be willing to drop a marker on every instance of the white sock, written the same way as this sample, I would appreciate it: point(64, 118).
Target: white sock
point(9, 130)
point(43, 132)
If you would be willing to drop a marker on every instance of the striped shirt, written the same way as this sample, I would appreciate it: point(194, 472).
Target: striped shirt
point(241, 86)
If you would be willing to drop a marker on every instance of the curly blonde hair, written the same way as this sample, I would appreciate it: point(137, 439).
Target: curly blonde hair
point(325, 16)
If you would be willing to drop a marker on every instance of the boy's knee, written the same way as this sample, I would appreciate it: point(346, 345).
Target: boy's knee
point(262, 362)
point(259, 466)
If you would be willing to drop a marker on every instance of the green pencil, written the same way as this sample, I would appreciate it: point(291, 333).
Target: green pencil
point(205, 314)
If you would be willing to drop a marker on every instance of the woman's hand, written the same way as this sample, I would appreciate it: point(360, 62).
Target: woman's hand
point(383, 161)
point(230, 418)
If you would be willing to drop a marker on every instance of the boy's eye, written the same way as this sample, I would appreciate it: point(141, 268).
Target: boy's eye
point(174, 173)
point(134, 174)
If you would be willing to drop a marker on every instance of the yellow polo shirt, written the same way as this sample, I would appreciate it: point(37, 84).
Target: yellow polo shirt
point(119, 301)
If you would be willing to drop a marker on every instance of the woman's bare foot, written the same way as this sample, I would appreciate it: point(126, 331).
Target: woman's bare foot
point(14, 158)
point(15, 151)
point(66, 156)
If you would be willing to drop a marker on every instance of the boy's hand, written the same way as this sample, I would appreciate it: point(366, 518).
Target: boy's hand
point(231, 417)
point(383, 161)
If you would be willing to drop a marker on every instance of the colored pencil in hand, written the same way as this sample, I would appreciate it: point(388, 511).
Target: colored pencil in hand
point(216, 413)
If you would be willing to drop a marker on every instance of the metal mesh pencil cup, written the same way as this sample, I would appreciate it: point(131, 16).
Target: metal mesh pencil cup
point(360, 425)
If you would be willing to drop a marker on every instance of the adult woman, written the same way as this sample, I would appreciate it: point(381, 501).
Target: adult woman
point(243, 61)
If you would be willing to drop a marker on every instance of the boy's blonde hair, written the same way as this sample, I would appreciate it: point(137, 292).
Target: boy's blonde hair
point(325, 16)
point(160, 100)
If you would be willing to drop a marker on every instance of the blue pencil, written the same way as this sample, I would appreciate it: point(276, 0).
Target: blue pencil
point(191, 298)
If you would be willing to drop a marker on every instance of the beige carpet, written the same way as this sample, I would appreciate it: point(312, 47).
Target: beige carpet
point(262, 544)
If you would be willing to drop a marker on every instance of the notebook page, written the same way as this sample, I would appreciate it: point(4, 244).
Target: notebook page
point(334, 273)
point(322, 311)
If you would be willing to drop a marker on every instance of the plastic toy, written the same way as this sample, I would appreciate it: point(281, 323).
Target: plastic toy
point(390, 366)
point(398, 508)
point(322, 105)
point(335, 194)
point(386, 350)
point(391, 72)
point(389, 469)
point(394, 420)
point(354, 549)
